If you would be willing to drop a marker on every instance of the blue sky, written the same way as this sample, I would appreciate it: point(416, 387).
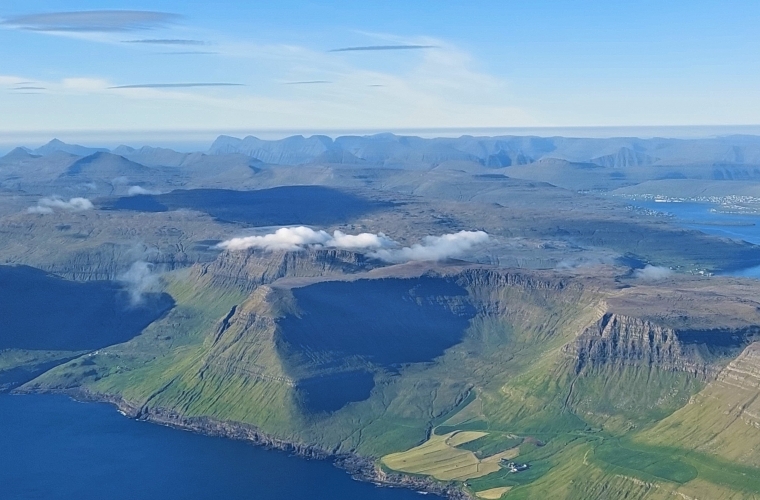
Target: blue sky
point(465, 64)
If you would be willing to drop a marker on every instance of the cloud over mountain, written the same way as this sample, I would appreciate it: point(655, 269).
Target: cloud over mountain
point(432, 248)
point(652, 273)
point(297, 238)
point(139, 190)
point(52, 203)
point(141, 278)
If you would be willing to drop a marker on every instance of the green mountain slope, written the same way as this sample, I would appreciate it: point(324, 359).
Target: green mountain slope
point(568, 374)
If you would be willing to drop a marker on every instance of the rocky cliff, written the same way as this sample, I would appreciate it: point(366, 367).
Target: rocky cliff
point(248, 269)
point(627, 340)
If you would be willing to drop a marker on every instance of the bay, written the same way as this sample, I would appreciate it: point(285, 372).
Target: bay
point(703, 217)
point(54, 448)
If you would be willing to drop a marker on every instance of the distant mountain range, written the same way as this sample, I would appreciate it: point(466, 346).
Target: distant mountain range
point(394, 150)
point(390, 150)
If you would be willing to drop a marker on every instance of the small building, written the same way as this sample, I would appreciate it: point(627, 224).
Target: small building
point(513, 467)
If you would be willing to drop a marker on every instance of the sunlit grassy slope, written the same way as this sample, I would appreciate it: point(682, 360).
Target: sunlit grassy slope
point(506, 383)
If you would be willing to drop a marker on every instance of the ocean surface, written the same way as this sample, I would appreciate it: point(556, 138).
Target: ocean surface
point(701, 217)
point(54, 448)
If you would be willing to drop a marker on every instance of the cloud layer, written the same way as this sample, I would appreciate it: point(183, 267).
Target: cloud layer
point(52, 203)
point(379, 246)
point(92, 21)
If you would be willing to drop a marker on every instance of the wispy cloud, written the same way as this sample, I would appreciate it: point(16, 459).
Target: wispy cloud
point(308, 82)
point(383, 47)
point(140, 279)
point(92, 21)
point(652, 273)
point(29, 88)
point(13, 80)
point(139, 190)
point(167, 41)
point(442, 87)
point(176, 85)
point(189, 53)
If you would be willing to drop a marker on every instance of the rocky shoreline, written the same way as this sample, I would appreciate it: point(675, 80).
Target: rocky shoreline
point(359, 467)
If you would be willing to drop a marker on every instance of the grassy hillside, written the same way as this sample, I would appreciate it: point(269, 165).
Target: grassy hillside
point(522, 366)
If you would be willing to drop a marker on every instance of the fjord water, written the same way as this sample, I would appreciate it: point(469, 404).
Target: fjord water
point(702, 217)
point(54, 448)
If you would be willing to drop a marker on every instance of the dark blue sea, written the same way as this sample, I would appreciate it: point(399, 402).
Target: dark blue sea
point(702, 217)
point(54, 448)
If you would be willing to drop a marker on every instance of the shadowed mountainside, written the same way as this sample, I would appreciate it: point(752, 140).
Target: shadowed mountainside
point(39, 311)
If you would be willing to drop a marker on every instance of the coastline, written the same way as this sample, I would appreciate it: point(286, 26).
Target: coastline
point(358, 467)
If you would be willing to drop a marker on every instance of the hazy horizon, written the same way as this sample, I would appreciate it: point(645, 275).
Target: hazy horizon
point(201, 140)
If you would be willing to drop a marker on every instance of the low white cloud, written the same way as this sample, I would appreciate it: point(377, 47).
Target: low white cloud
point(141, 278)
point(652, 273)
point(434, 248)
point(136, 190)
point(298, 238)
point(52, 203)
point(39, 209)
point(379, 246)
point(360, 241)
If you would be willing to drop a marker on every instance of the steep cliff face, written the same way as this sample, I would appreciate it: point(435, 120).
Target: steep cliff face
point(109, 261)
point(248, 269)
point(500, 292)
point(625, 340)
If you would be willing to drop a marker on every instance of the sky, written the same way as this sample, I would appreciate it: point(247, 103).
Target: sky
point(146, 68)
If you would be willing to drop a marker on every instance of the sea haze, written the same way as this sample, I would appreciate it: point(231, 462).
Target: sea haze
point(55, 448)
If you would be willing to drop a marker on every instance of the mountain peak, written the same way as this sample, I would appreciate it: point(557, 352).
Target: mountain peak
point(74, 149)
point(19, 154)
